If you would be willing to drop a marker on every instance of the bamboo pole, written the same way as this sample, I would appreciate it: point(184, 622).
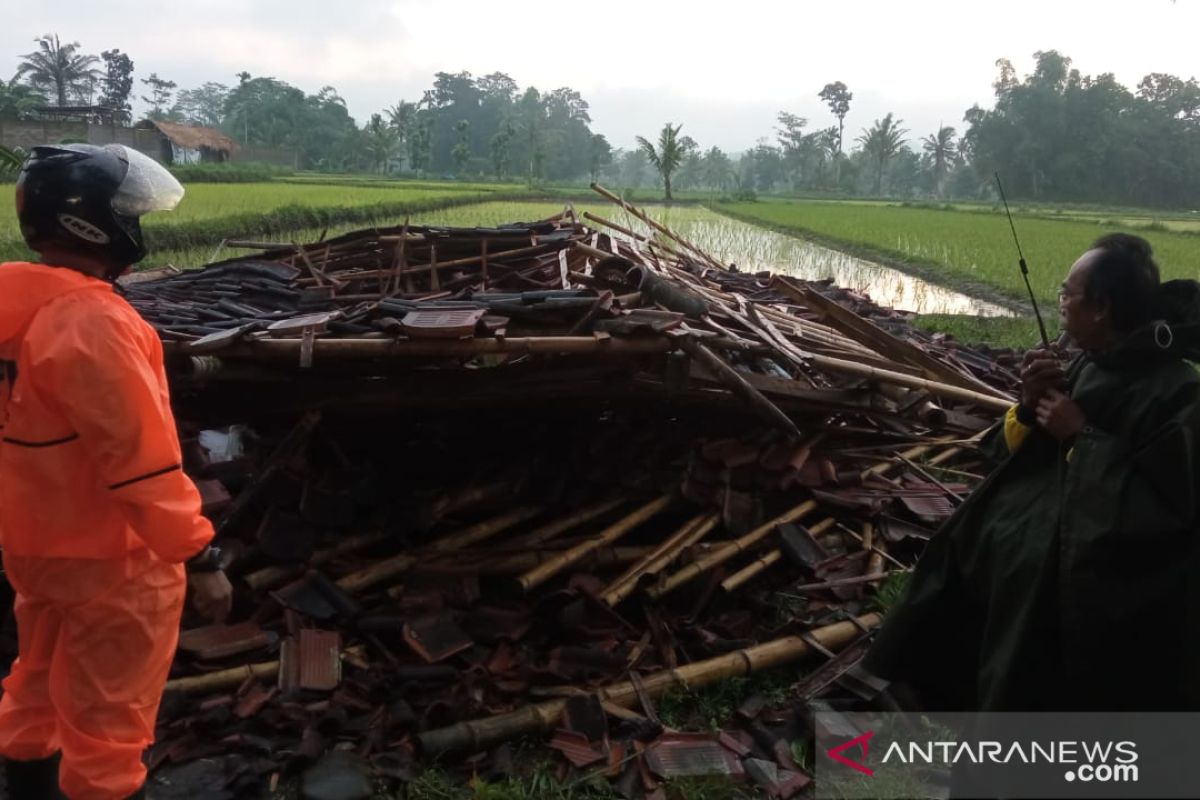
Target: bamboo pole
point(876, 550)
point(751, 570)
point(991, 402)
point(539, 575)
point(741, 387)
point(349, 349)
point(275, 575)
point(664, 230)
point(762, 564)
point(223, 679)
point(483, 733)
point(443, 505)
point(855, 581)
point(797, 327)
point(391, 567)
point(730, 550)
point(484, 530)
point(518, 563)
point(599, 220)
point(727, 552)
point(875, 560)
point(557, 527)
point(871, 335)
point(693, 531)
point(423, 269)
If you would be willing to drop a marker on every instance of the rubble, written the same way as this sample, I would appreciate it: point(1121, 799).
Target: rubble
point(480, 483)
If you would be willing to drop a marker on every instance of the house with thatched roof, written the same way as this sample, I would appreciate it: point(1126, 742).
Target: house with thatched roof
point(190, 144)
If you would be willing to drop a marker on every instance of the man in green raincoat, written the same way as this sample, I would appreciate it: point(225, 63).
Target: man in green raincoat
point(1070, 579)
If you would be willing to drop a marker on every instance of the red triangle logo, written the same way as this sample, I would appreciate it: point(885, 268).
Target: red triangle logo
point(860, 741)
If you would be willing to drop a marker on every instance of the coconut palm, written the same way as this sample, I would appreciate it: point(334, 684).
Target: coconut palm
point(942, 152)
point(403, 119)
point(58, 68)
point(381, 142)
point(670, 153)
point(882, 142)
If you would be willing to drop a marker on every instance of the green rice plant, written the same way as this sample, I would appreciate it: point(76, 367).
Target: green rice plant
point(962, 249)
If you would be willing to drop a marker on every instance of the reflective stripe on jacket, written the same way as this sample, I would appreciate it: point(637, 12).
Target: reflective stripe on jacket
point(90, 462)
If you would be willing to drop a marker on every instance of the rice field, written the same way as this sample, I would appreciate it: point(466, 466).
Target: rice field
point(961, 249)
point(210, 212)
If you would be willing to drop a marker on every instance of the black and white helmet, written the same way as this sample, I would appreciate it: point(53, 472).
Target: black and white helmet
point(87, 199)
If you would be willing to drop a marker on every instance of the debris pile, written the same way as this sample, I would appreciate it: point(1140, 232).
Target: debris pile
point(483, 483)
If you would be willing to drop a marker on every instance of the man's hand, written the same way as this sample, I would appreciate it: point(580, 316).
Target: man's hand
point(1059, 415)
point(1041, 371)
point(212, 595)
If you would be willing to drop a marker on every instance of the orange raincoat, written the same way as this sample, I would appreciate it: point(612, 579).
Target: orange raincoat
point(96, 517)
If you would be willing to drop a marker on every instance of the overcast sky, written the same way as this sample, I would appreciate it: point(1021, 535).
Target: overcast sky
point(723, 70)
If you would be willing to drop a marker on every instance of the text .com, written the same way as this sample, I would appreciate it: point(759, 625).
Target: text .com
point(1104, 773)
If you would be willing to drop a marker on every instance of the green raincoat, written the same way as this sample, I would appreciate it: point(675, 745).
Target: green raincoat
point(1070, 579)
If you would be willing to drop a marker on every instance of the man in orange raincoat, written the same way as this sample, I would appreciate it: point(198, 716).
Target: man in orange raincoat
point(97, 519)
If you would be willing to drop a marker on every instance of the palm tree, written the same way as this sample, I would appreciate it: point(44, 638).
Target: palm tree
point(669, 154)
point(881, 142)
point(380, 141)
point(403, 117)
point(58, 67)
point(942, 151)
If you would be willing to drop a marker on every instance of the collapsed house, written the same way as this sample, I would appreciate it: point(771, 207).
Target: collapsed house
point(486, 483)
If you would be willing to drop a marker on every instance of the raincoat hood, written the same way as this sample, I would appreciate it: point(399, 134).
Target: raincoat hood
point(1176, 334)
point(24, 289)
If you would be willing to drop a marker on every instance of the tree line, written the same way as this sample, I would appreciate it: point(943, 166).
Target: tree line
point(1055, 135)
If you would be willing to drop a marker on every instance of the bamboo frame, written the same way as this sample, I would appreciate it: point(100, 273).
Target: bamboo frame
point(539, 575)
point(223, 679)
point(730, 550)
point(480, 734)
point(560, 526)
point(518, 563)
point(703, 256)
point(267, 577)
point(762, 564)
point(692, 531)
point(740, 386)
point(350, 349)
point(389, 568)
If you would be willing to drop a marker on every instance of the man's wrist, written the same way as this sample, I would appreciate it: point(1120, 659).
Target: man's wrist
point(1026, 415)
point(207, 560)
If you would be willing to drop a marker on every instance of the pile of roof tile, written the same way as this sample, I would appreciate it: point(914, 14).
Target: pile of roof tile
point(483, 483)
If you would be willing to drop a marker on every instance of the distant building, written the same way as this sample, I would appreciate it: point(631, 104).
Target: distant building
point(190, 144)
point(167, 142)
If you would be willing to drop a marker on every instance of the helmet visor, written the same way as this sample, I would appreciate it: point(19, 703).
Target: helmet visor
point(147, 186)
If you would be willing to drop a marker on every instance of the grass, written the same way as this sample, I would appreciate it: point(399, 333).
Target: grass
point(211, 212)
point(890, 592)
point(712, 707)
point(1016, 333)
point(971, 251)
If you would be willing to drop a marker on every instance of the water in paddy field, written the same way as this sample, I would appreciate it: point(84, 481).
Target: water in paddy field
point(754, 249)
